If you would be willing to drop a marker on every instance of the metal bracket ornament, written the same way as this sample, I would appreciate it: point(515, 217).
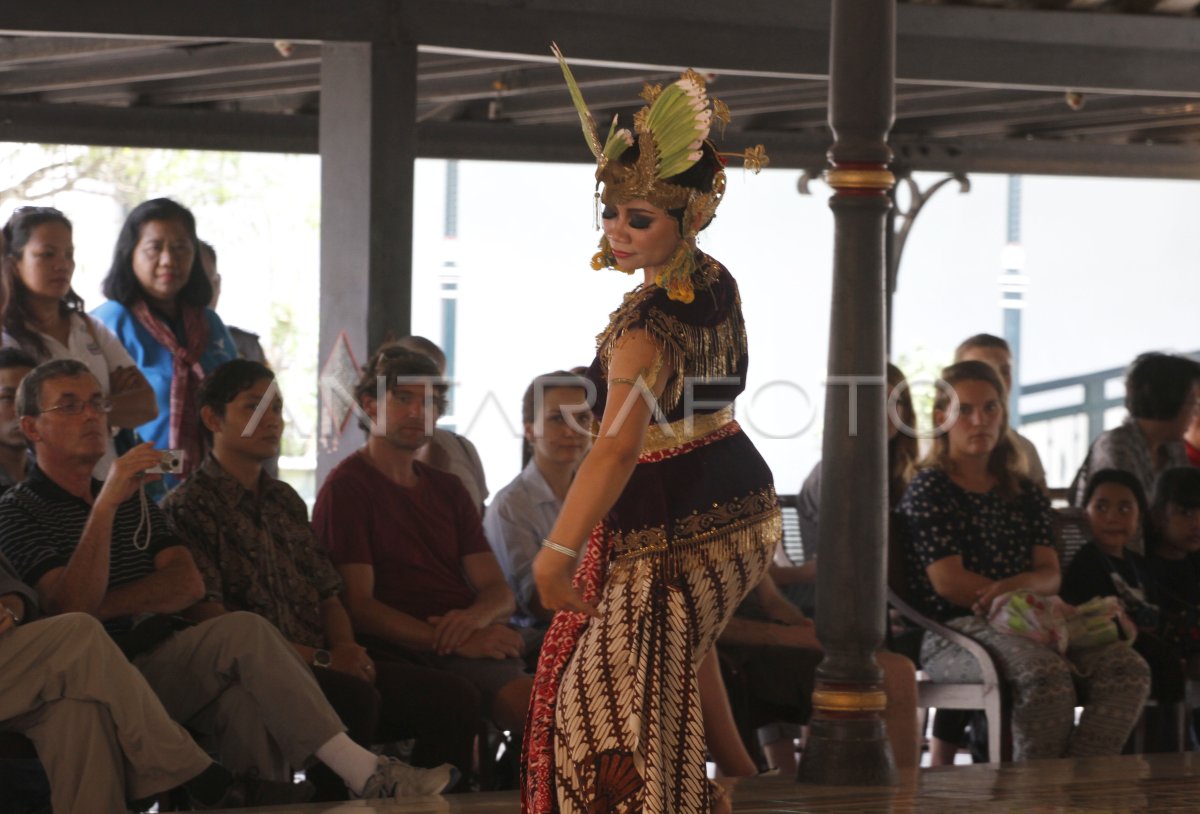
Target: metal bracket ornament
point(905, 215)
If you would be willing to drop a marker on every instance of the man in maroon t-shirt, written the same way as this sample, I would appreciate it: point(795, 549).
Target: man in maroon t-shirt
point(421, 581)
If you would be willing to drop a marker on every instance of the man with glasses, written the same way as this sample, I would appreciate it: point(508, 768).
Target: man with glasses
point(102, 548)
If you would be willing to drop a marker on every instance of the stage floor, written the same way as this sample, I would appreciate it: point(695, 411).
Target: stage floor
point(1162, 784)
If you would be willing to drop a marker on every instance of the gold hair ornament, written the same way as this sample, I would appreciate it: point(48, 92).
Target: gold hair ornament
point(671, 132)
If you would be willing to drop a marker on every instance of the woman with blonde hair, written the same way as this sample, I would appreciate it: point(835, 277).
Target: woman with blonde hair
point(976, 530)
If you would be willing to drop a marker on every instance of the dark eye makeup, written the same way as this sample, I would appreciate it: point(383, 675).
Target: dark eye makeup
point(637, 220)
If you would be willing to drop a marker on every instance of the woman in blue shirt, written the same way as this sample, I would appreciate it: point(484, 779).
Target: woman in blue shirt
point(158, 308)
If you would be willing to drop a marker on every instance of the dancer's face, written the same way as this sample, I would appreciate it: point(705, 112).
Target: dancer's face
point(641, 235)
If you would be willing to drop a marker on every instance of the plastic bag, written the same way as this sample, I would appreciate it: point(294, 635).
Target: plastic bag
point(1025, 613)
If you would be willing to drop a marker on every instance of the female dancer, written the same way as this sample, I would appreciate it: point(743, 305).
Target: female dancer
point(680, 508)
point(978, 529)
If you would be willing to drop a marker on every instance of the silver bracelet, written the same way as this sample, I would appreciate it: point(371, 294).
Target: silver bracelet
point(561, 549)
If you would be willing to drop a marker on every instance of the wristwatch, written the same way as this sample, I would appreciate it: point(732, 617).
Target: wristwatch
point(321, 658)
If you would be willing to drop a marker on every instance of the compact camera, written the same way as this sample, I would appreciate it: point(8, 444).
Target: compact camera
point(170, 462)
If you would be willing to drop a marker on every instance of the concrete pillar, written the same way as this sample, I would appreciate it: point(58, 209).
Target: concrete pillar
point(368, 149)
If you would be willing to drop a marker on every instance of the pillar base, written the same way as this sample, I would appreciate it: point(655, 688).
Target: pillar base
point(847, 752)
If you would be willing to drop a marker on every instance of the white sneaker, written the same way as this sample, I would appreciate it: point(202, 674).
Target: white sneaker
point(394, 780)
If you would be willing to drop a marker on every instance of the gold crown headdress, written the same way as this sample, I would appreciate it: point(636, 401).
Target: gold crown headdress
point(671, 132)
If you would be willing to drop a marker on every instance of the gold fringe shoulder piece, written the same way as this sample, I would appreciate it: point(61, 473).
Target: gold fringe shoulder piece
point(691, 350)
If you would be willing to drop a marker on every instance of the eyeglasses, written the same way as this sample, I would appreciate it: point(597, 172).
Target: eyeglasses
point(98, 404)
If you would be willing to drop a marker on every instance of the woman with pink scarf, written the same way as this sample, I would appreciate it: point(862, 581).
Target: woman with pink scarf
point(158, 307)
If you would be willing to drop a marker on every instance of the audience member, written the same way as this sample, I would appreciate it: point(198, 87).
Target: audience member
point(1175, 547)
point(15, 461)
point(1191, 440)
point(158, 297)
point(1107, 566)
point(977, 529)
point(99, 730)
point(1161, 394)
point(773, 647)
point(94, 547)
point(247, 343)
point(799, 582)
point(44, 316)
point(248, 346)
point(996, 352)
point(557, 417)
point(250, 537)
point(421, 581)
point(446, 450)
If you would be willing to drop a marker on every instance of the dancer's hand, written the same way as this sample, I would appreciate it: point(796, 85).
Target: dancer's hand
point(552, 575)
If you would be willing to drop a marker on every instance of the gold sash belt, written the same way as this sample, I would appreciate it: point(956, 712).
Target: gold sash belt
point(662, 437)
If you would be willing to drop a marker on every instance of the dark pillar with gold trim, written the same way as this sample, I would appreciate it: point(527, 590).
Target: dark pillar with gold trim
point(847, 742)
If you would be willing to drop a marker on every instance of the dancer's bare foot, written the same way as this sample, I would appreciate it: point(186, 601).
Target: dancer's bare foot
point(720, 799)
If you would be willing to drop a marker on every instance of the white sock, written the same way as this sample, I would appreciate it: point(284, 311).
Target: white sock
point(350, 761)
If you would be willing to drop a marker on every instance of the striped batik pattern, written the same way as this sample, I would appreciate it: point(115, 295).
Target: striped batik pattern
point(628, 733)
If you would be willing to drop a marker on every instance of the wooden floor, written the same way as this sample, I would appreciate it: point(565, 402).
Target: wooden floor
point(1163, 784)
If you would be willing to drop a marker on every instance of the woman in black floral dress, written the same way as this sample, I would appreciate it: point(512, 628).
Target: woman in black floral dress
point(976, 530)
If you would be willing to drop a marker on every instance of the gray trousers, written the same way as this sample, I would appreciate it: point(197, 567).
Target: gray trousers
point(99, 730)
point(237, 679)
point(1113, 683)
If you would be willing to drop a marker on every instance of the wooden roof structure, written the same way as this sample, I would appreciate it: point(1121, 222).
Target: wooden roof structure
point(1089, 87)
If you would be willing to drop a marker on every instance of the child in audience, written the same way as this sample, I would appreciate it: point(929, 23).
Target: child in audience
point(1108, 566)
point(1175, 556)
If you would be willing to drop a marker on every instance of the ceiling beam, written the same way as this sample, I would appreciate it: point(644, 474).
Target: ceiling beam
point(182, 129)
point(268, 20)
point(263, 132)
point(27, 50)
point(172, 63)
point(1018, 48)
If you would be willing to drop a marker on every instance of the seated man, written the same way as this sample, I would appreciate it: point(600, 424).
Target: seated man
point(774, 649)
point(99, 730)
point(557, 420)
point(101, 548)
point(446, 450)
point(15, 463)
point(250, 537)
point(421, 581)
